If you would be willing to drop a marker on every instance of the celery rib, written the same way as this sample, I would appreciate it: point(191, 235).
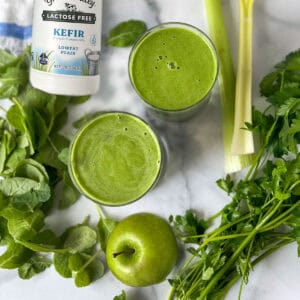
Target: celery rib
point(218, 33)
point(242, 142)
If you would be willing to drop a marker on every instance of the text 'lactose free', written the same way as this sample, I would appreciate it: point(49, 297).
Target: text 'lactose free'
point(88, 18)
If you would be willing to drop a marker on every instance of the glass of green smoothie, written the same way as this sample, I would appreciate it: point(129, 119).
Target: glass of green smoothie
point(116, 159)
point(173, 68)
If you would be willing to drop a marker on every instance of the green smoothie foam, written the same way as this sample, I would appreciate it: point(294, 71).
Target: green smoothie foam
point(173, 67)
point(115, 159)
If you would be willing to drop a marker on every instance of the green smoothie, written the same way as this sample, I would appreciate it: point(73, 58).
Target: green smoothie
point(115, 159)
point(173, 67)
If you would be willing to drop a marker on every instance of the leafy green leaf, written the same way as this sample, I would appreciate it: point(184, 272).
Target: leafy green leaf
point(82, 279)
point(79, 100)
point(63, 156)
point(48, 154)
point(16, 158)
point(17, 186)
point(189, 226)
point(15, 256)
point(32, 199)
point(13, 81)
point(26, 194)
point(35, 265)
point(270, 83)
point(122, 296)
point(126, 33)
point(47, 237)
point(40, 128)
point(17, 117)
point(288, 135)
point(80, 238)
point(4, 234)
point(95, 268)
point(61, 264)
point(43, 241)
point(85, 268)
point(292, 61)
point(3, 157)
point(105, 228)
point(226, 184)
point(70, 193)
point(207, 274)
point(6, 58)
point(86, 118)
point(32, 169)
point(23, 225)
point(60, 121)
point(76, 261)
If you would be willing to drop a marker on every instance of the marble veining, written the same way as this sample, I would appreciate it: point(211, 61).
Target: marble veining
point(154, 6)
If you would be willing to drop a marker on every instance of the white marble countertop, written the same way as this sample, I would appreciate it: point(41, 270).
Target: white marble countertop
point(196, 155)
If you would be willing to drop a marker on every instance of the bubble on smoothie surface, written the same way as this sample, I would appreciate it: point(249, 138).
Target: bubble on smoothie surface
point(172, 65)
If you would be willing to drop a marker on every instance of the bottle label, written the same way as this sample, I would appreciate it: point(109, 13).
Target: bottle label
point(67, 37)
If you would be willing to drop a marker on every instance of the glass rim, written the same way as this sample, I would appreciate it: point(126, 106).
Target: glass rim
point(155, 136)
point(170, 25)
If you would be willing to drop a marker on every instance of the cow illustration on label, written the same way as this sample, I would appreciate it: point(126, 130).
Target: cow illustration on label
point(70, 7)
point(43, 59)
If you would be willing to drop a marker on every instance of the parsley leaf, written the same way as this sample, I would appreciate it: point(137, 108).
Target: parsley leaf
point(263, 214)
point(188, 227)
point(122, 296)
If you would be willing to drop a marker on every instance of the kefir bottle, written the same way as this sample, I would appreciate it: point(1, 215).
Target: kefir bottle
point(66, 43)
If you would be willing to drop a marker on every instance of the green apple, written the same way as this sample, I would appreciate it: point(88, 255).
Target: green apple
point(141, 250)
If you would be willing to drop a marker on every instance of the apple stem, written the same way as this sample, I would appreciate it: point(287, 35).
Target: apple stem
point(127, 251)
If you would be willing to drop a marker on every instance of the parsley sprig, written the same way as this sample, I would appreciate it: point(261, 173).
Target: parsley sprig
point(264, 212)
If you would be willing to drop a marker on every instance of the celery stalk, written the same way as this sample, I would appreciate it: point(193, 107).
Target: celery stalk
point(242, 142)
point(218, 33)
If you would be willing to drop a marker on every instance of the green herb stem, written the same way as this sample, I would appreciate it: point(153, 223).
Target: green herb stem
point(227, 265)
point(281, 218)
point(219, 238)
point(3, 109)
point(219, 230)
point(100, 212)
point(253, 263)
point(252, 172)
point(270, 227)
point(242, 246)
point(95, 255)
point(215, 216)
point(268, 194)
point(211, 235)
